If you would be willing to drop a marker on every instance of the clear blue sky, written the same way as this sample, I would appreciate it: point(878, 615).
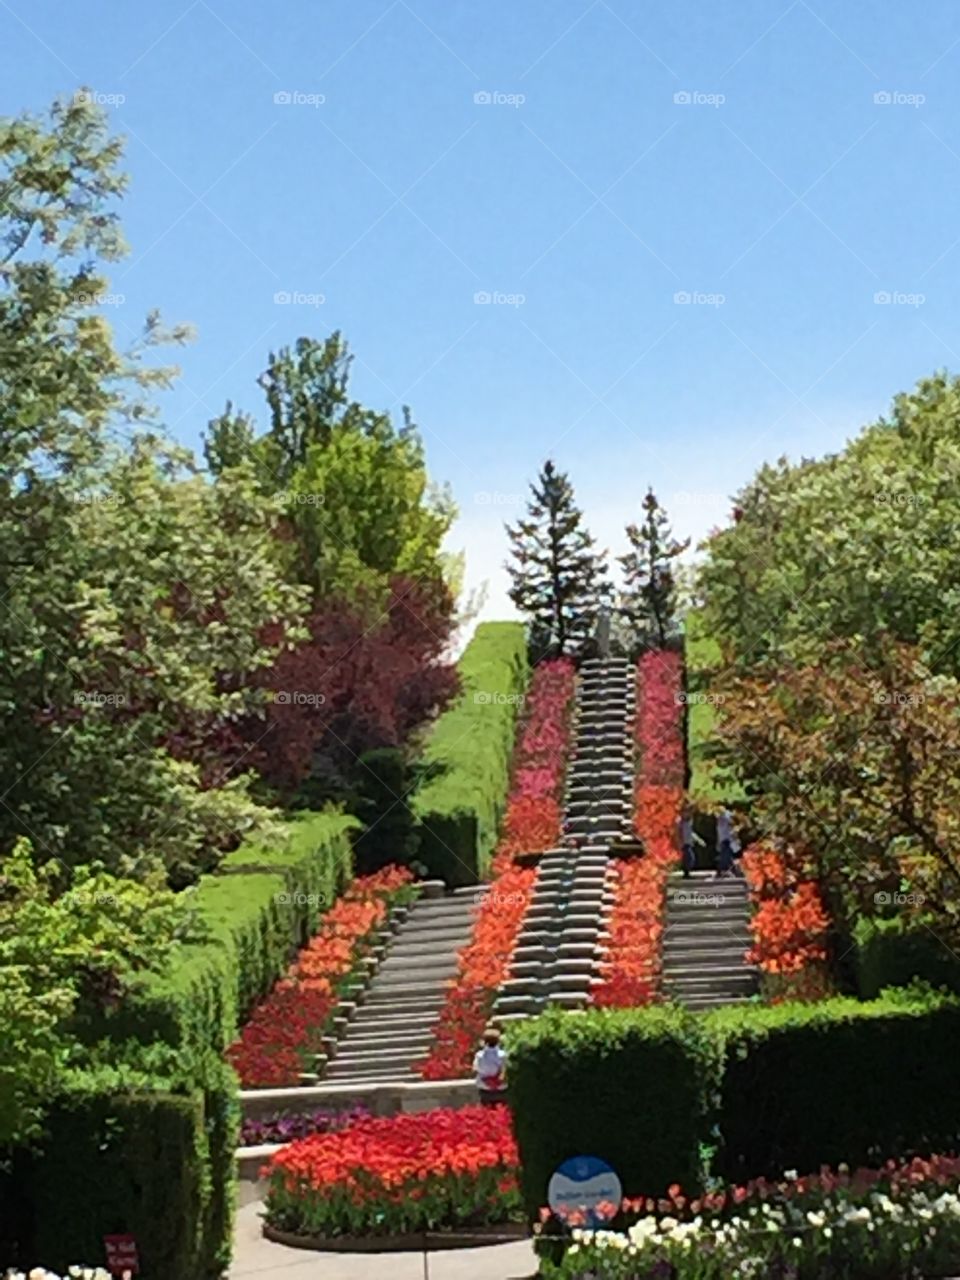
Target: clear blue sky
point(583, 186)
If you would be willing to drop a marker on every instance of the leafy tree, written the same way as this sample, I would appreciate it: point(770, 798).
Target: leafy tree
point(649, 601)
point(385, 780)
point(66, 957)
point(559, 581)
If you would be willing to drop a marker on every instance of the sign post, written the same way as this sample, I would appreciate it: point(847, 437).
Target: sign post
point(122, 1259)
point(585, 1191)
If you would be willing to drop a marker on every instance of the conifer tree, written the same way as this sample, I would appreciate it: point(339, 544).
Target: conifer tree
point(558, 580)
point(649, 599)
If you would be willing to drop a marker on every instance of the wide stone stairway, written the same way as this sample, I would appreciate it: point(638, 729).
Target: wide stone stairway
point(705, 941)
point(392, 1028)
point(556, 953)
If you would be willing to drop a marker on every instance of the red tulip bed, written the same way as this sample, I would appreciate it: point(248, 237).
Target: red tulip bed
point(630, 967)
point(789, 927)
point(532, 823)
point(285, 1030)
point(396, 1175)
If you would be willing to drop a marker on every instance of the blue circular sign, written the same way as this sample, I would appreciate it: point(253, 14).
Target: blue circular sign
point(586, 1189)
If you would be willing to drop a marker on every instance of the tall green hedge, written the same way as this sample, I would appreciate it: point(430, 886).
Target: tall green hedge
point(468, 756)
point(630, 1089)
point(895, 952)
point(710, 784)
point(148, 1162)
point(765, 1089)
point(258, 908)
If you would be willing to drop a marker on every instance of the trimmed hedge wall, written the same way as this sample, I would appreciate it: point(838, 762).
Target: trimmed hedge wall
point(709, 783)
point(629, 1085)
point(264, 903)
point(887, 953)
point(468, 755)
point(768, 1089)
point(153, 1164)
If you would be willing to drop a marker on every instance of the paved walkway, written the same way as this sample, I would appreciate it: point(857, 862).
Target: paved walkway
point(259, 1259)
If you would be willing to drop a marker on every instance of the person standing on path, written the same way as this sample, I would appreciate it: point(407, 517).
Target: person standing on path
point(728, 846)
point(490, 1068)
point(688, 838)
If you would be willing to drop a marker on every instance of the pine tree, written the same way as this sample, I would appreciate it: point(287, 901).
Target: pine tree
point(649, 599)
point(559, 580)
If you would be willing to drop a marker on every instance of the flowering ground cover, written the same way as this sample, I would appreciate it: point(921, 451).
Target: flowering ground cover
point(892, 1223)
point(289, 1126)
point(398, 1174)
point(532, 823)
point(630, 967)
point(789, 927)
point(286, 1028)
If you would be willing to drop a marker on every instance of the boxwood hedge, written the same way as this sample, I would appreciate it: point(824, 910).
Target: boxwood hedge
point(467, 756)
point(895, 953)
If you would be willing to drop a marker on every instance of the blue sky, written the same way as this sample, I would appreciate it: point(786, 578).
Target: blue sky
point(580, 162)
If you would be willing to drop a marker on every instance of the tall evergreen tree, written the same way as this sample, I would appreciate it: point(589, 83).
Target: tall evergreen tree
point(649, 599)
point(559, 580)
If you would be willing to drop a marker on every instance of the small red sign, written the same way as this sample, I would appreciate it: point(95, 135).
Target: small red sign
point(122, 1257)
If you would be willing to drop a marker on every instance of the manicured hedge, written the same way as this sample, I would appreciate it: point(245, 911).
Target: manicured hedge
point(258, 909)
point(710, 784)
point(147, 1162)
point(766, 1088)
point(468, 756)
point(892, 953)
point(840, 1080)
point(628, 1085)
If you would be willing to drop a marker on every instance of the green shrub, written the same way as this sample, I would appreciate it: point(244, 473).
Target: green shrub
point(840, 1080)
point(153, 1164)
point(258, 908)
point(895, 953)
point(710, 783)
point(630, 1086)
point(468, 755)
point(382, 803)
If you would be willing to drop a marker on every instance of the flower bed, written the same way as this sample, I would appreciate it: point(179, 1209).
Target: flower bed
point(532, 823)
point(630, 967)
point(286, 1029)
point(789, 927)
point(875, 1224)
point(289, 1126)
point(397, 1175)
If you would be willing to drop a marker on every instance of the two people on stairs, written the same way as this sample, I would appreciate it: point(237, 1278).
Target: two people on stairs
point(728, 845)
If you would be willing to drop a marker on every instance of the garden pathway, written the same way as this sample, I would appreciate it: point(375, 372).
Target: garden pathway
point(705, 941)
point(259, 1259)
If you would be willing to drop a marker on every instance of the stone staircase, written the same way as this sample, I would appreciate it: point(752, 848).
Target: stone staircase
point(556, 953)
point(705, 941)
point(392, 1029)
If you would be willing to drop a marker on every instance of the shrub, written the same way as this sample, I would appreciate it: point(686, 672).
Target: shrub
point(895, 952)
point(147, 1162)
point(385, 780)
point(468, 755)
point(628, 1085)
point(807, 1084)
point(710, 783)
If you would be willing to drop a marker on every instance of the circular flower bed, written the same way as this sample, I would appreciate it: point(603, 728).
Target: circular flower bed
point(396, 1176)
